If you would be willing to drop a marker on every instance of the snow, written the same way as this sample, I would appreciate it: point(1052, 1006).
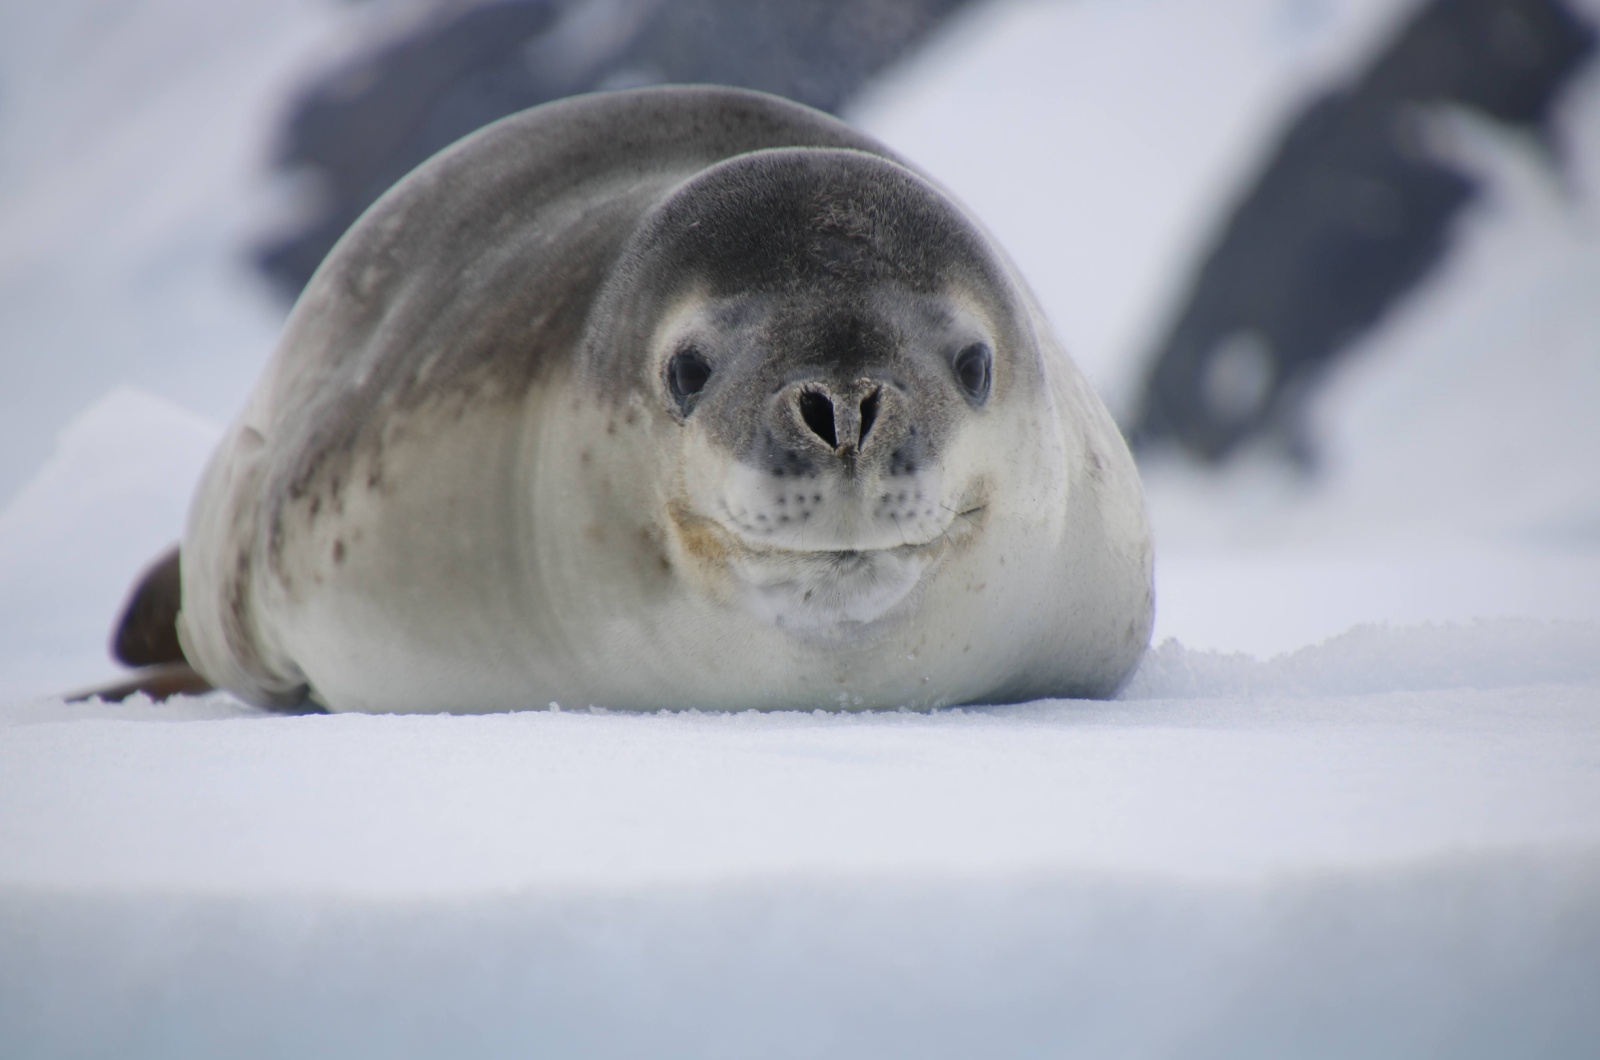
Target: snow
point(1391, 874)
point(1349, 810)
point(1468, 958)
point(1252, 787)
point(132, 151)
point(109, 500)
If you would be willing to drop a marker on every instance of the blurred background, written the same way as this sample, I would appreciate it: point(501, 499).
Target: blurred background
point(1334, 264)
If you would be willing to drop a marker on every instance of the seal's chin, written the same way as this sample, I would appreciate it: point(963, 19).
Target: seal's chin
point(825, 592)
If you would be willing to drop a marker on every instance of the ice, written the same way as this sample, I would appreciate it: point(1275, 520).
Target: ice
point(1464, 958)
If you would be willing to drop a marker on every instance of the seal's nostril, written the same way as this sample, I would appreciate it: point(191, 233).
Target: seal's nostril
point(817, 411)
point(869, 415)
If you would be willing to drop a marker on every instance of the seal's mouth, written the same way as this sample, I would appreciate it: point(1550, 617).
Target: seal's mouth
point(712, 538)
point(825, 589)
point(961, 525)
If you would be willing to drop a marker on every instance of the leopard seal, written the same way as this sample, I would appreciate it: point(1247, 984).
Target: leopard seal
point(677, 397)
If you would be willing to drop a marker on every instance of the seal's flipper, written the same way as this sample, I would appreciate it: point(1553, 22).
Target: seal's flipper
point(147, 632)
point(158, 682)
point(146, 638)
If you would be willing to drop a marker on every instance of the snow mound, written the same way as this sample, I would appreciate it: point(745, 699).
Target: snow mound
point(111, 498)
point(1487, 654)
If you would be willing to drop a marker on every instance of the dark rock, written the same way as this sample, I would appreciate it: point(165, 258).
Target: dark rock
point(1350, 213)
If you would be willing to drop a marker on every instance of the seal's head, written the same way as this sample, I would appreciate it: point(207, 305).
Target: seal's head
point(833, 361)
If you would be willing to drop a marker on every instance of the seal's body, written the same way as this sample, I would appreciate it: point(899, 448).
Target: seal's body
point(670, 398)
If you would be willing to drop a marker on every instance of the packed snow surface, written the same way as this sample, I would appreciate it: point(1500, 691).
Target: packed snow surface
point(1268, 874)
point(1349, 806)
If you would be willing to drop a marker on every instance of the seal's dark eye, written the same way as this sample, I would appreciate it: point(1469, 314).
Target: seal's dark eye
point(972, 371)
point(687, 374)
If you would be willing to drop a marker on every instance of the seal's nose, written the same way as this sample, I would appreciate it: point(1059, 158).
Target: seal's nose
point(841, 418)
